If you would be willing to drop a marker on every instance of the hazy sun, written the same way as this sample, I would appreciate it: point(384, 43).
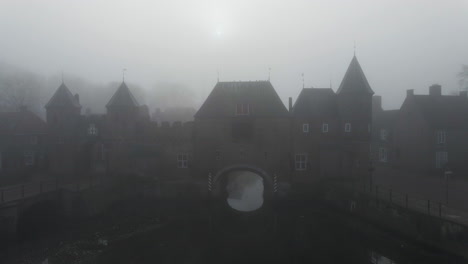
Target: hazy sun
point(219, 31)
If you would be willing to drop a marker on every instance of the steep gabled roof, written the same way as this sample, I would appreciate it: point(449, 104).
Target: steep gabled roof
point(122, 98)
point(315, 102)
point(354, 80)
point(62, 98)
point(444, 111)
point(260, 95)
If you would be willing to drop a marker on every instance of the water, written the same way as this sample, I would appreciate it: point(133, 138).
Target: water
point(274, 233)
point(245, 191)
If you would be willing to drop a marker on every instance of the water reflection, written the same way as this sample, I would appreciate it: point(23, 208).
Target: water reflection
point(375, 258)
point(245, 191)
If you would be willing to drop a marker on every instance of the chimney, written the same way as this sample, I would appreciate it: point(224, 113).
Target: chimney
point(464, 94)
point(409, 92)
point(290, 104)
point(77, 98)
point(435, 90)
point(377, 103)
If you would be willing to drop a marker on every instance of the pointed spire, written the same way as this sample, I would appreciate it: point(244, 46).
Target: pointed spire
point(122, 98)
point(62, 98)
point(354, 80)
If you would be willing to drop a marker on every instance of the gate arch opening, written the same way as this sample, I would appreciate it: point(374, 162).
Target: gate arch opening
point(244, 188)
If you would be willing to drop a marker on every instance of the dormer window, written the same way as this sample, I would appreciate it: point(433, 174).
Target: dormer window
point(347, 127)
point(92, 129)
point(305, 128)
point(242, 109)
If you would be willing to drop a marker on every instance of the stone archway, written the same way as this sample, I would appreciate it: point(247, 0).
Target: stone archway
point(244, 187)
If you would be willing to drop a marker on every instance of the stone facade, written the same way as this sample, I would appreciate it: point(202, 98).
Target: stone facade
point(241, 125)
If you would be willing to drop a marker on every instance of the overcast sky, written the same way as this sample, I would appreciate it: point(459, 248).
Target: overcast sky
point(401, 44)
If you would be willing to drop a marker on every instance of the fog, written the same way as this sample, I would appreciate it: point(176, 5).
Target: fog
point(188, 44)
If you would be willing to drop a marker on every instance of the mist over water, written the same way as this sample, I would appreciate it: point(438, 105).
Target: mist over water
point(245, 191)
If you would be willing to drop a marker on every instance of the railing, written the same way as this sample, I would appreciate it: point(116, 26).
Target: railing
point(27, 190)
point(417, 203)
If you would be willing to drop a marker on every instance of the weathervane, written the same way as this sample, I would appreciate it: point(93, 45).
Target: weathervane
point(123, 74)
point(354, 48)
point(302, 80)
point(62, 77)
point(269, 72)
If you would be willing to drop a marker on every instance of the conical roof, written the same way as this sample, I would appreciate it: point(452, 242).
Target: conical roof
point(62, 98)
point(122, 98)
point(354, 80)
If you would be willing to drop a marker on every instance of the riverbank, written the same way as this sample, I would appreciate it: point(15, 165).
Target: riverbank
point(147, 230)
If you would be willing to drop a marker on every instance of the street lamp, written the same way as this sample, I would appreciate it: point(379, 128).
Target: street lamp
point(447, 174)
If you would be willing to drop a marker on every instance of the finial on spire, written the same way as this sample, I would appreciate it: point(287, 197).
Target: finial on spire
point(330, 84)
point(217, 72)
point(123, 74)
point(354, 48)
point(62, 77)
point(269, 73)
point(302, 80)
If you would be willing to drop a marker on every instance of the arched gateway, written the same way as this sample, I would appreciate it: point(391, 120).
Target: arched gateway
point(245, 187)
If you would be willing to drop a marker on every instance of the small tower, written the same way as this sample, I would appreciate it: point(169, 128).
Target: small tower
point(355, 100)
point(63, 118)
point(355, 109)
point(122, 112)
point(63, 107)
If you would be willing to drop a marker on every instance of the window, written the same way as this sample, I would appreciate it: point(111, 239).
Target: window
point(92, 130)
point(305, 128)
point(301, 162)
point(441, 159)
point(383, 155)
point(182, 161)
point(324, 128)
point(383, 134)
point(242, 109)
point(440, 136)
point(347, 127)
point(33, 140)
point(28, 158)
